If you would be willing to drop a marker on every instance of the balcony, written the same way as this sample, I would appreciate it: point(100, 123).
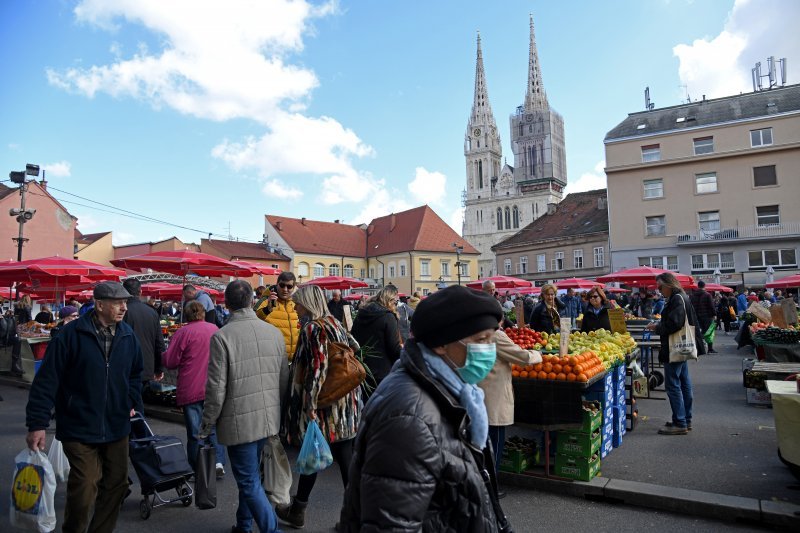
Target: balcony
point(741, 233)
point(714, 265)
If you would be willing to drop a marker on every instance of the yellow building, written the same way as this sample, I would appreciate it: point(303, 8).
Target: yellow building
point(94, 247)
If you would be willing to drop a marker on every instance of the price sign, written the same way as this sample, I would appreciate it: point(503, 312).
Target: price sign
point(617, 318)
point(776, 311)
point(760, 312)
point(789, 311)
point(566, 324)
point(519, 310)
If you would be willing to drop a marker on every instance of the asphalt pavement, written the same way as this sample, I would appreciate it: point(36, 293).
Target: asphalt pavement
point(724, 475)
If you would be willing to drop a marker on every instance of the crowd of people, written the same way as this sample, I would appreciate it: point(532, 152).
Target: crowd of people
point(437, 398)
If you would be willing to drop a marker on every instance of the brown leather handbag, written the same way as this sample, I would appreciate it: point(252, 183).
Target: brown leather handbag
point(345, 373)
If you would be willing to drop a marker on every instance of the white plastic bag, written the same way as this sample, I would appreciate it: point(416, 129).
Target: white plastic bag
point(32, 491)
point(58, 460)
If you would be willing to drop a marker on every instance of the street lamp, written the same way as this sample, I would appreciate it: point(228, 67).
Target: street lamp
point(459, 249)
point(23, 215)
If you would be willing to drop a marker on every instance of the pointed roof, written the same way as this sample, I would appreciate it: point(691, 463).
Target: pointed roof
point(535, 96)
point(324, 238)
point(419, 229)
point(481, 108)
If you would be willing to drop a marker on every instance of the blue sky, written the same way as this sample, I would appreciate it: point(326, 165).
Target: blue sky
point(209, 114)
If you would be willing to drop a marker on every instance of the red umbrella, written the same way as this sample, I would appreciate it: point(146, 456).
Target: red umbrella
point(152, 289)
point(615, 289)
point(576, 283)
point(501, 282)
point(183, 262)
point(711, 287)
point(784, 283)
point(330, 283)
point(258, 268)
point(56, 267)
point(642, 276)
point(525, 290)
point(174, 291)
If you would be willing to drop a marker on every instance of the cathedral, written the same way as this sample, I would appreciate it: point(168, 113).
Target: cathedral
point(499, 199)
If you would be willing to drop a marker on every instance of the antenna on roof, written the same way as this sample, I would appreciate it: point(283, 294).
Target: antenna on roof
point(771, 74)
point(686, 88)
point(648, 105)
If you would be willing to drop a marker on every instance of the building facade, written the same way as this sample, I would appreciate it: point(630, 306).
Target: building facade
point(709, 188)
point(569, 241)
point(94, 247)
point(499, 199)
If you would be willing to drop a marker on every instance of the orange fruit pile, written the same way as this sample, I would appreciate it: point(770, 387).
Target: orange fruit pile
point(582, 368)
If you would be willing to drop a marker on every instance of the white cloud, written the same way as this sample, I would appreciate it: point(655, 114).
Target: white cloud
point(350, 187)
point(88, 223)
point(280, 190)
point(721, 65)
point(589, 181)
point(61, 169)
point(428, 187)
point(14, 146)
point(381, 203)
point(120, 238)
point(456, 220)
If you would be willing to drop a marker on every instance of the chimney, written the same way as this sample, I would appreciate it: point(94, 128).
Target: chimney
point(370, 229)
point(336, 221)
point(602, 203)
point(551, 208)
point(392, 222)
point(279, 225)
point(303, 221)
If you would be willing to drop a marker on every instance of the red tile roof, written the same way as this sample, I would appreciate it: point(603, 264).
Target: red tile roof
point(416, 229)
point(6, 191)
point(577, 214)
point(235, 250)
point(89, 238)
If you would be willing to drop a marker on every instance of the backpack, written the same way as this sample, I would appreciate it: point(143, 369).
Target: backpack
point(345, 371)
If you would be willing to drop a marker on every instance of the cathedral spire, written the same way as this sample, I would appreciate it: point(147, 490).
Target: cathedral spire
point(535, 96)
point(481, 109)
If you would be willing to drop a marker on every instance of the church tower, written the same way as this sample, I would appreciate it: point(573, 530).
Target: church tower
point(499, 199)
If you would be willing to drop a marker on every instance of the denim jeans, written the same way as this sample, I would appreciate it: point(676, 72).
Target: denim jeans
point(192, 417)
point(497, 436)
point(253, 503)
point(679, 392)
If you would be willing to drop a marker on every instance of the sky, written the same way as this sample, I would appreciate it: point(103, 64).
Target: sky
point(157, 118)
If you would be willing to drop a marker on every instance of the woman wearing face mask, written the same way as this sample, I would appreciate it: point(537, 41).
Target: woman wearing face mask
point(420, 459)
point(545, 316)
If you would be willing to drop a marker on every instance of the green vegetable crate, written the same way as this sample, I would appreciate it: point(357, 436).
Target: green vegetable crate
point(519, 455)
point(578, 443)
point(577, 468)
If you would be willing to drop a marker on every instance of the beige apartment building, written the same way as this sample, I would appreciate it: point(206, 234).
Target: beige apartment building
point(569, 241)
point(710, 188)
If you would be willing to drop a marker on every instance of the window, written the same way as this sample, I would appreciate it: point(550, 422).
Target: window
point(761, 137)
point(402, 270)
point(508, 218)
point(541, 263)
point(392, 271)
point(577, 259)
point(656, 226)
point(722, 261)
point(515, 217)
point(764, 176)
point(302, 269)
point(507, 266)
point(363, 273)
point(651, 152)
point(768, 215)
point(426, 292)
point(333, 269)
point(557, 263)
point(349, 271)
point(463, 267)
point(708, 222)
point(319, 270)
point(599, 256)
point(705, 183)
point(704, 145)
point(445, 268)
point(425, 267)
point(658, 261)
point(765, 258)
point(654, 188)
point(372, 272)
point(499, 218)
point(523, 265)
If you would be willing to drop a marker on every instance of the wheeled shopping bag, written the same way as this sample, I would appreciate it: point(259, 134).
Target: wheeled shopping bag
point(161, 465)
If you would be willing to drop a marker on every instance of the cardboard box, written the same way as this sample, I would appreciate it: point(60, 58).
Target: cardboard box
point(577, 443)
point(578, 468)
point(758, 397)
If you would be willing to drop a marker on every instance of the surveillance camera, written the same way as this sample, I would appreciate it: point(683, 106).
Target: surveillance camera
point(14, 212)
point(28, 213)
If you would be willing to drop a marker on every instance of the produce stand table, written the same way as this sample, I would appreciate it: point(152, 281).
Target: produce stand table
point(31, 352)
point(786, 408)
point(547, 405)
point(755, 374)
point(778, 353)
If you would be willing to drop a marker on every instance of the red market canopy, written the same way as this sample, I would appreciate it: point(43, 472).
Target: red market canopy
point(615, 289)
point(525, 291)
point(330, 283)
point(65, 269)
point(784, 283)
point(643, 276)
point(258, 268)
point(164, 290)
point(501, 282)
point(711, 287)
point(577, 283)
point(182, 263)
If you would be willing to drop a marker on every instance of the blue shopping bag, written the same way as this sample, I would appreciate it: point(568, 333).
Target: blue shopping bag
point(315, 454)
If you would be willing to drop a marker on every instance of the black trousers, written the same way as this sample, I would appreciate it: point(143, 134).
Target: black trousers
point(342, 452)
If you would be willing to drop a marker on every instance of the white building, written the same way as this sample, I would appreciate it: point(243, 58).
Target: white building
point(500, 199)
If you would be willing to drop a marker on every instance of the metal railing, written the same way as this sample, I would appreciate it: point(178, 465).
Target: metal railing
point(756, 231)
point(713, 265)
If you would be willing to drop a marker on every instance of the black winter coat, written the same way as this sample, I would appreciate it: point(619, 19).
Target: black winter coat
point(377, 331)
point(413, 468)
point(540, 317)
point(146, 324)
point(593, 322)
point(672, 320)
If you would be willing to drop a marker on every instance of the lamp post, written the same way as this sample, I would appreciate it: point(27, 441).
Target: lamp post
point(23, 215)
point(459, 249)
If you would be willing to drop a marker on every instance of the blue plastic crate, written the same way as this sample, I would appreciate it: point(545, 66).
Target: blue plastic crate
point(619, 386)
point(606, 447)
point(619, 370)
point(616, 440)
point(608, 429)
point(604, 384)
point(36, 365)
point(608, 414)
point(620, 400)
point(605, 396)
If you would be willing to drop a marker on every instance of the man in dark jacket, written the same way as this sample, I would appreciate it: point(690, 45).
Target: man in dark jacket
point(421, 460)
point(704, 308)
point(147, 326)
point(336, 306)
point(91, 374)
point(377, 331)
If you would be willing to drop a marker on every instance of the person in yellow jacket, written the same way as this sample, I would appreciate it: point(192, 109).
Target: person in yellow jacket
point(279, 311)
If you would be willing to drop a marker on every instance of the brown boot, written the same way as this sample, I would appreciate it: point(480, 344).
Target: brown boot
point(293, 514)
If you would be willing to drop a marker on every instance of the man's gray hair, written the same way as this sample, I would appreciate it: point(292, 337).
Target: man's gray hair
point(313, 299)
point(238, 295)
point(488, 283)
